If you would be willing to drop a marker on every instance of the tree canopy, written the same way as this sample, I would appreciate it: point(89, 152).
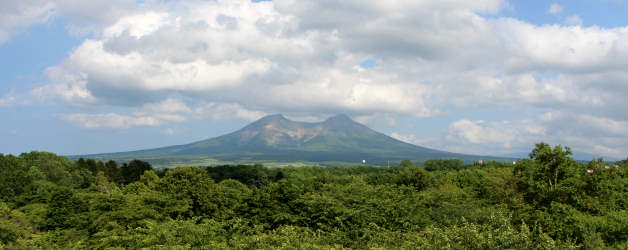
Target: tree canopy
point(548, 201)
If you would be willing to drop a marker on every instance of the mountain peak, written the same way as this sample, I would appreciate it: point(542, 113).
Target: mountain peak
point(266, 120)
point(272, 119)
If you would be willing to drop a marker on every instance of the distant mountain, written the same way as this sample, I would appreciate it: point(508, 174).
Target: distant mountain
point(337, 140)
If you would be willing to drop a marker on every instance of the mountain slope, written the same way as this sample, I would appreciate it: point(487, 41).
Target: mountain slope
point(275, 138)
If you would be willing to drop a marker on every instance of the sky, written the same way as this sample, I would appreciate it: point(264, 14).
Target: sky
point(480, 77)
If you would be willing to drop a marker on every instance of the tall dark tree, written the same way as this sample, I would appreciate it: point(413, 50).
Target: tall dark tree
point(113, 172)
point(132, 171)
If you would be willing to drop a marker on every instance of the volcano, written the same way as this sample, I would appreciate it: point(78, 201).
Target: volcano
point(274, 138)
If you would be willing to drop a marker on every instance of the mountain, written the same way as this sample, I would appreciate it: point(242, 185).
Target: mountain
point(338, 140)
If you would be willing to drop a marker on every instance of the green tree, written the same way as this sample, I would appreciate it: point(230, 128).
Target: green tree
point(251, 175)
point(13, 177)
point(103, 185)
point(113, 172)
point(416, 177)
point(406, 163)
point(66, 210)
point(552, 165)
point(540, 178)
point(56, 168)
point(132, 171)
point(443, 164)
point(193, 185)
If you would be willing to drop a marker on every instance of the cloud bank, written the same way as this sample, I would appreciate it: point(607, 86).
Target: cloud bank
point(426, 58)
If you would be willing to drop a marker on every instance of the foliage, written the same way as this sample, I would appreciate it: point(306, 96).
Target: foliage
point(443, 164)
point(251, 175)
point(132, 171)
point(548, 201)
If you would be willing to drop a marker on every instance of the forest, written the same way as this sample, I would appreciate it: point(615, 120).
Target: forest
point(548, 201)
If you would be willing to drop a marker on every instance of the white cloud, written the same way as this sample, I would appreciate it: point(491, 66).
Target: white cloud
point(555, 8)
point(573, 20)
point(499, 134)
point(7, 100)
point(412, 139)
point(137, 25)
point(15, 15)
point(135, 70)
point(229, 111)
point(12, 99)
point(239, 59)
point(151, 114)
point(562, 50)
point(171, 110)
point(374, 119)
point(69, 86)
point(110, 120)
point(170, 105)
point(83, 16)
point(607, 126)
point(303, 61)
point(584, 133)
point(208, 51)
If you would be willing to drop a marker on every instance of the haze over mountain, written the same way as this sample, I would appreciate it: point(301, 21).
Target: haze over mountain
point(274, 138)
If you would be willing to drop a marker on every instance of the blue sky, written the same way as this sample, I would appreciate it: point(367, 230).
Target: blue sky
point(481, 77)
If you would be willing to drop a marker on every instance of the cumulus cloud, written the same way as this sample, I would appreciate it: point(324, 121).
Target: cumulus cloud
point(582, 132)
point(66, 85)
point(208, 52)
point(306, 56)
point(243, 59)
